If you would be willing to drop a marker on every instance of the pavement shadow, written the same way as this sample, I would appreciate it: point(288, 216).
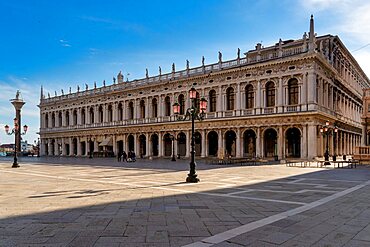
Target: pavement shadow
point(174, 220)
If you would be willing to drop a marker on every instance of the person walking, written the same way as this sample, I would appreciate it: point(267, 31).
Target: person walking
point(124, 156)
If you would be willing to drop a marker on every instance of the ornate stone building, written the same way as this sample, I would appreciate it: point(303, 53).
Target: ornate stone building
point(269, 103)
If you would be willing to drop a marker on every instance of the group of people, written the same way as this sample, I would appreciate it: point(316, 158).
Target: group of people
point(129, 157)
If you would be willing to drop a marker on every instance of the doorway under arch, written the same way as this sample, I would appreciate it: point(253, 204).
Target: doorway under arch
point(249, 143)
point(212, 143)
point(131, 143)
point(142, 144)
point(270, 143)
point(181, 144)
point(230, 141)
point(167, 144)
point(155, 142)
point(293, 143)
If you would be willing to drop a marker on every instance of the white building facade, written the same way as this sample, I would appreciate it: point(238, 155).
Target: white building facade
point(270, 103)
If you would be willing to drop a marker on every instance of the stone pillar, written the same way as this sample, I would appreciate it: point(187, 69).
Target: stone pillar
point(96, 145)
point(188, 148)
point(160, 145)
point(238, 143)
point(115, 112)
point(363, 137)
point(56, 148)
point(258, 143)
point(280, 95)
point(71, 147)
point(258, 97)
point(219, 102)
point(203, 151)
point(281, 146)
point(64, 151)
point(221, 142)
point(304, 142)
point(312, 141)
point(78, 147)
point(238, 100)
point(148, 146)
point(311, 97)
point(114, 140)
point(304, 93)
point(87, 146)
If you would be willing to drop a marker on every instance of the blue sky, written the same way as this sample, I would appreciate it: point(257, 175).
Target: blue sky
point(62, 44)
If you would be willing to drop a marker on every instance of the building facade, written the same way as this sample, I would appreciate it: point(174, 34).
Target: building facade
point(269, 103)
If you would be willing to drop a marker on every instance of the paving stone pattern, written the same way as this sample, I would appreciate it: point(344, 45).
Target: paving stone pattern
point(100, 202)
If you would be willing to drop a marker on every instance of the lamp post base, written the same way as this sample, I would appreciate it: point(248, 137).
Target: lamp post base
point(15, 165)
point(192, 179)
point(173, 158)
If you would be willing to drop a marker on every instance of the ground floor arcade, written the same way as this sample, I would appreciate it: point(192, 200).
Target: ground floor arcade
point(280, 142)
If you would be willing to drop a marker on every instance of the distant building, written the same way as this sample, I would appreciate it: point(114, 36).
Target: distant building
point(269, 103)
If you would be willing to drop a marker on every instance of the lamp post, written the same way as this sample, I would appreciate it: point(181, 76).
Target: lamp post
point(37, 144)
point(192, 113)
point(327, 131)
point(17, 133)
point(173, 147)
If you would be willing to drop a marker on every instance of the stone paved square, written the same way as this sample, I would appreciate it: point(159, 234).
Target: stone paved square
point(100, 202)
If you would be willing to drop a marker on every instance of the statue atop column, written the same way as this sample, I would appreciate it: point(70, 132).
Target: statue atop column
point(187, 64)
point(103, 83)
point(238, 53)
point(203, 61)
point(119, 77)
point(94, 84)
point(146, 73)
point(173, 67)
point(160, 70)
point(86, 86)
point(114, 80)
point(219, 57)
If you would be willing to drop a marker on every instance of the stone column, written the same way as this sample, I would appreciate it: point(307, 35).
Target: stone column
point(115, 112)
point(188, 148)
point(87, 146)
point(304, 142)
point(114, 140)
point(148, 146)
point(258, 97)
point(281, 144)
point(78, 146)
point(311, 97)
point(258, 143)
point(280, 95)
point(56, 148)
point(219, 108)
point(203, 151)
point(64, 151)
point(304, 93)
point(238, 100)
point(96, 145)
point(312, 141)
point(71, 147)
point(221, 141)
point(160, 144)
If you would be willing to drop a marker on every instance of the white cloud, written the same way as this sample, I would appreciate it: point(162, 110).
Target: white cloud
point(64, 43)
point(352, 24)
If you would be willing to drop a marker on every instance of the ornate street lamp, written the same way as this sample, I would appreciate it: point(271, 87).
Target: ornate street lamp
point(327, 131)
point(16, 133)
point(172, 137)
point(192, 113)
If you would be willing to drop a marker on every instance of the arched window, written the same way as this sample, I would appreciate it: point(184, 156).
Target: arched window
point(249, 97)
point(212, 101)
point(53, 120)
point(270, 94)
point(293, 92)
point(83, 116)
point(60, 119)
point(46, 120)
point(100, 114)
point(131, 110)
point(67, 118)
point(110, 113)
point(92, 115)
point(120, 112)
point(182, 104)
point(230, 99)
point(75, 117)
point(142, 109)
point(154, 108)
point(167, 106)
